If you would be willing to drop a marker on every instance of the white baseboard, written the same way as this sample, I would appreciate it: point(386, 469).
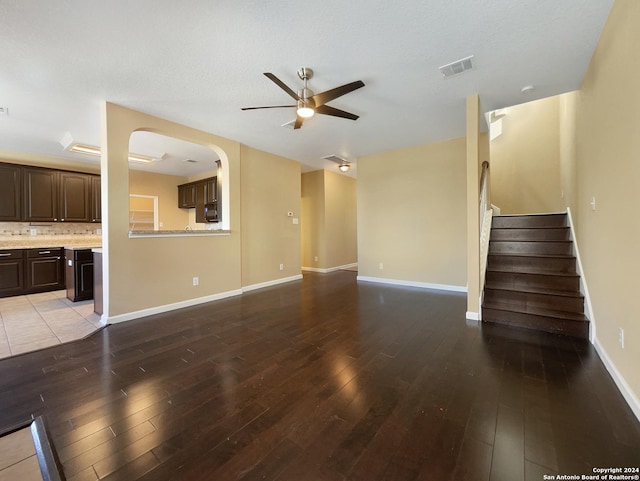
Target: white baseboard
point(422, 285)
point(625, 389)
point(129, 316)
point(473, 316)
point(330, 269)
point(274, 282)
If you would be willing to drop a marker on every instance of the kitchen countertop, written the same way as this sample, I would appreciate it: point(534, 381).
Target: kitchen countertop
point(37, 241)
point(177, 233)
point(82, 248)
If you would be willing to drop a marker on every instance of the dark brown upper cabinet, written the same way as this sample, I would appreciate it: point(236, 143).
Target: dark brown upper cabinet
point(73, 197)
point(96, 199)
point(211, 190)
point(10, 192)
point(38, 194)
point(40, 189)
point(187, 195)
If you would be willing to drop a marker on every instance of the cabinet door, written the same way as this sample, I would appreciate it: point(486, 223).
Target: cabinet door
point(200, 198)
point(10, 190)
point(187, 196)
point(40, 193)
point(84, 279)
point(45, 270)
point(96, 199)
point(211, 190)
point(73, 194)
point(11, 272)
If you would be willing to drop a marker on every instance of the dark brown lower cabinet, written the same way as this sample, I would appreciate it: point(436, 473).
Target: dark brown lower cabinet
point(79, 274)
point(11, 272)
point(45, 270)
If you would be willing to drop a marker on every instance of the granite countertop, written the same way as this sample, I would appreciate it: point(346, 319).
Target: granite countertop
point(37, 241)
point(178, 233)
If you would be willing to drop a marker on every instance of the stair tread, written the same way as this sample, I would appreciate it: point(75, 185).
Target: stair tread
point(537, 241)
point(531, 254)
point(533, 290)
point(532, 271)
point(537, 311)
point(536, 227)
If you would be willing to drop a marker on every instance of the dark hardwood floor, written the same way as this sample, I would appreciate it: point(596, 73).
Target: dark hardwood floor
point(323, 379)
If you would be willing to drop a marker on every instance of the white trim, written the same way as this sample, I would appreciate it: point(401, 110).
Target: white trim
point(583, 281)
point(625, 389)
point(423, 285)
point(274, 282)
point(473, 316)
point(330, 269)
point(129, 316)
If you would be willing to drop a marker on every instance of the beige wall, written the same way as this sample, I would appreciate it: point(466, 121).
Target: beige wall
point(608, 168)
point(164, 266)
point(270, 189)
point(567, 126)
point(165, 187)
point(329, 220)
point(412, 214)
point(313, 220)
point(525, 160)
point(341, 217)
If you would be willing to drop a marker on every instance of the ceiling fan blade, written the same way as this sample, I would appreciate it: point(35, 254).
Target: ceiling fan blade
point(329, 95)
point(298, 123)
point(268, 107)
point(282, 85)
point(326, 110)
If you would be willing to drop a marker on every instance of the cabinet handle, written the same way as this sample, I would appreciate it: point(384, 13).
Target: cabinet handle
point(44, 252)
point(5, 255)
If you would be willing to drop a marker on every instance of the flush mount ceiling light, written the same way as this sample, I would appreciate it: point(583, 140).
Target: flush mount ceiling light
point(343, 164)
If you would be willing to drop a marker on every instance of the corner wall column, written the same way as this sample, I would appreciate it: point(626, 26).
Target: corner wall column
point(473, 207)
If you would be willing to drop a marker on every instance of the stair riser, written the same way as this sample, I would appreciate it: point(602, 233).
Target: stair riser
point(553, 220)
point(540, 323)
point(548, 234)
point(532, 264)
point(516, 280)
point(526, 299)
point(524, 247)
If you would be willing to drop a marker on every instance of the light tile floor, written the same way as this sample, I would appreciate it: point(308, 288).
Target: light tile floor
point(35, 321)
point(18, 458)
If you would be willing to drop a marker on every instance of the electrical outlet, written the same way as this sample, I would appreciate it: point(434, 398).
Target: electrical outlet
point(281, 267)
point(621, 337)
point(295, 220)
point(381, 266)
point(196, 281)
point(315, 258)
point(33, 231)
point(593, 203)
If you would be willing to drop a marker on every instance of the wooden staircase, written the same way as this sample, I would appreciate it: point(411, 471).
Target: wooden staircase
point(531, 279)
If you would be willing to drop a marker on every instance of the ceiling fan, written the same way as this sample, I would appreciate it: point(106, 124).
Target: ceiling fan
point(308, 103)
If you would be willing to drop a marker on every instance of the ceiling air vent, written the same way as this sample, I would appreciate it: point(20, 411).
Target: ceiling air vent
point(457, 67)
point(335, 158)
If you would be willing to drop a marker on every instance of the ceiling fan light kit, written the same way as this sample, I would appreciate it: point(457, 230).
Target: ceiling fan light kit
point(308, 103)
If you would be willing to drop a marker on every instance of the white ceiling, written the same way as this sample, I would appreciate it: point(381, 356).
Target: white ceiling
point(198, 62)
